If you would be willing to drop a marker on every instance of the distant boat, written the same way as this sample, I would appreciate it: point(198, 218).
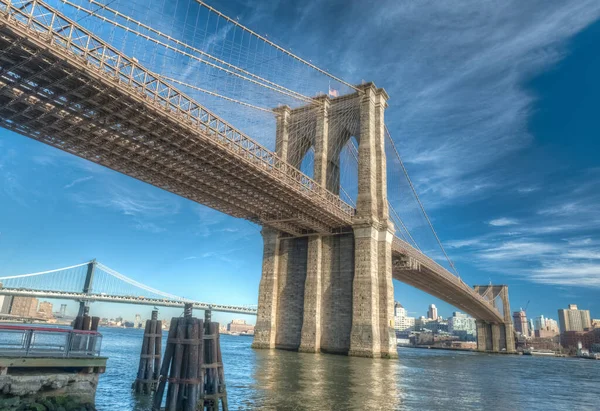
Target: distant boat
point(539, 353)
point(235, 334)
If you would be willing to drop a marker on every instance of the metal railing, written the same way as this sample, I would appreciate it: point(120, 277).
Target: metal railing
point(28, 341)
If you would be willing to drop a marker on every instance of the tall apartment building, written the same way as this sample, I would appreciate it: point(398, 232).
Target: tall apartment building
point(24, 306)
point(520, 321)
point(540, 323)
point(573, 319)
point(432, 313)
point(240, 326)
point(401, 321)
point(45, 310)
point(5, 303)
point(461, 323)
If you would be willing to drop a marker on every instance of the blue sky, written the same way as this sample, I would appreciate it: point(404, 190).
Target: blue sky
point(492, 108)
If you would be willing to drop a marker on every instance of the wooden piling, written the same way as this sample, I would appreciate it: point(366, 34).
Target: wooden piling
point(164, 369)
point(193, 364)
point(147, 376)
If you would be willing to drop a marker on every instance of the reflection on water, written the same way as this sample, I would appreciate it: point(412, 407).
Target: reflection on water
point(418, 380)
point(298, 381)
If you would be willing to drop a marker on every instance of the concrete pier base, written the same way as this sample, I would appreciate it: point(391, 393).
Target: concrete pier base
point(54, 381)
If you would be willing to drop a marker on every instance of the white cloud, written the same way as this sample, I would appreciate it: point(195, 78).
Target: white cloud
point(568, 274)
point(502, 222)
point(78, 181)
point(463, 243)
point(527, 190)
point(513, 250)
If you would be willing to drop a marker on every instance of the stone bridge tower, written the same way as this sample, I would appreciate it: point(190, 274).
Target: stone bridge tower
point(496, 337)
point(333, 292)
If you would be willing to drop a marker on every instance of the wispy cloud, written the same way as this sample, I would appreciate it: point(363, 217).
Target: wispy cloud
point(78, 181)
point(527, 190)
point(568, 274)
point(457, 89)
point(463, 243)
point(502, 222)
point(144, 207)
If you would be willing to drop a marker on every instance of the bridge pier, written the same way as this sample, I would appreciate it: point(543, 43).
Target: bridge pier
point(496, 337)
point(333, 292)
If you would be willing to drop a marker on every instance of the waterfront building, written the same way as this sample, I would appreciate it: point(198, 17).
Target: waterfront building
point(432, 312)
point(24, 306)
point(402, 322)
point(5, 303)
point(461, 324)
point(589, 340)
point(520, 321)
point(421, 323)
point(240, 326)
point(437, 326)
point(573, 319)
point(45, 310)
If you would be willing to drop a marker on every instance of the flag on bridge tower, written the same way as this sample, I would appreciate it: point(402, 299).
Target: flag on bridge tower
point(333, 92)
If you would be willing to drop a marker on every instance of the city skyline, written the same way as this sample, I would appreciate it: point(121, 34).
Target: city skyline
point(529, 222)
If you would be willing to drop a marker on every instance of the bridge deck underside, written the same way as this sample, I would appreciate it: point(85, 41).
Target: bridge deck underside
point(53, 96)
point(414, 268)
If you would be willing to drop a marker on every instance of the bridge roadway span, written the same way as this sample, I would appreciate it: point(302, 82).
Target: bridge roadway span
point(65, 87)
point(126, 300)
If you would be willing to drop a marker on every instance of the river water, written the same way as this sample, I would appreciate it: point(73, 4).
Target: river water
point(419, 380)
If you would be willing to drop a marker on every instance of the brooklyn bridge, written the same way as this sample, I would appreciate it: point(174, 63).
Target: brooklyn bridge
point(333, 239)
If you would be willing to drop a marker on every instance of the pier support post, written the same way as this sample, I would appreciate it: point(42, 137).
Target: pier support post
point(193, 367)
point(148, 368)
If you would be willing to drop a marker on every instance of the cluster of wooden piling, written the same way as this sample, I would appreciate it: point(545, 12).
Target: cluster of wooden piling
point(86, 323)
point(83, 343)
point(149, 366)
point(193, 367)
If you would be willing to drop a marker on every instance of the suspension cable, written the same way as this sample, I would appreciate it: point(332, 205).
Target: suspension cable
point(44, 272)
point(169, 38)
point(268, 84)
point(269, 42)
point(354, 151)
point(243, 103)
point(387, 132)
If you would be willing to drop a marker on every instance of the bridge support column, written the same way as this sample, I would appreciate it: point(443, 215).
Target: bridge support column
point(387, 331)
point(365, 339)
point(311, 325)
point(481, 335)
point(266, 320)
point(509, 331)
point(496, 337)
point(373, 302)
